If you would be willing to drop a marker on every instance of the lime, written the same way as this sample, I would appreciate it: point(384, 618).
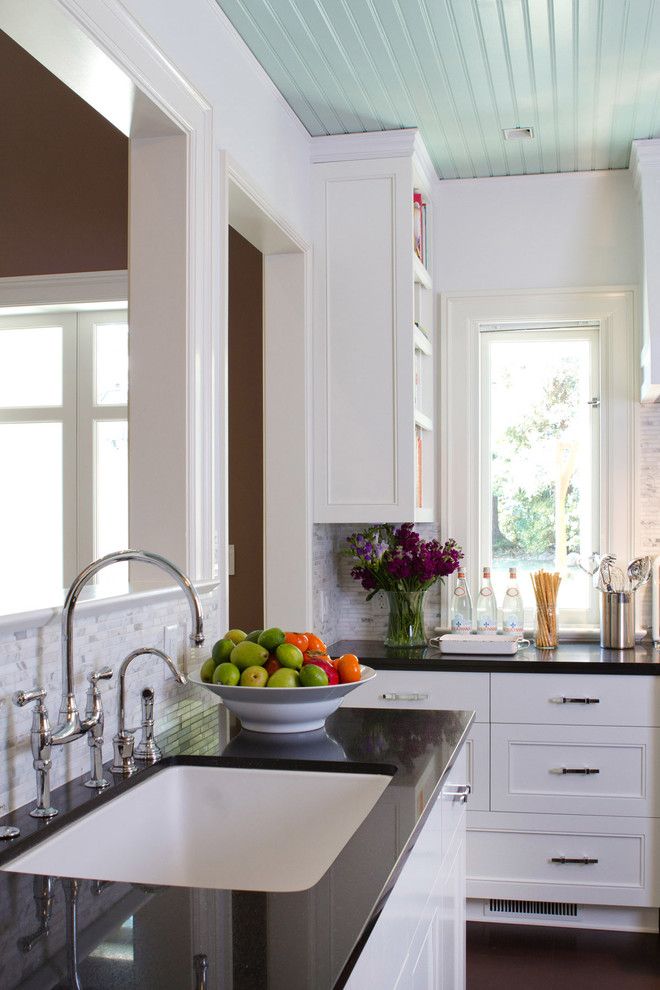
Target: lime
point(253, 637)
point(206, 672)
point(289, 656)
point(313, 676)
point(222, 650)
point(271, 638)
point(227, 673)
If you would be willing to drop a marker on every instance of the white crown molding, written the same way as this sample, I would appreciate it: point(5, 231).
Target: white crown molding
point(68, 289)
point(644, 155)
point(257, 68)
point(371, 144)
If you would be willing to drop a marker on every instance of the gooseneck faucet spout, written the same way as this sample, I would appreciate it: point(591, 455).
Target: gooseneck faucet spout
point(70, 726)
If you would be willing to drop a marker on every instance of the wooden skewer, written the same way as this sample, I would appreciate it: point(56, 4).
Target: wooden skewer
point(546, 588)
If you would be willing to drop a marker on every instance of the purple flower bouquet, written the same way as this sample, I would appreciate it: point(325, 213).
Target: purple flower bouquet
point(398, 561)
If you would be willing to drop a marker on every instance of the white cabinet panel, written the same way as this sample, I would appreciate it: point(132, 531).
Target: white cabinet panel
point(477, 752)
point(362, 454)
point(575, 699)
point(530, 856)
point(574, 769)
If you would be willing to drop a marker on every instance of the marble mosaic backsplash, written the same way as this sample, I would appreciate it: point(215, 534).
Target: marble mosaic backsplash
point(32, 657)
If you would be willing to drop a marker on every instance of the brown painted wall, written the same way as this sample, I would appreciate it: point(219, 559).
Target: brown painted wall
point(246, 601)
point(63, 175)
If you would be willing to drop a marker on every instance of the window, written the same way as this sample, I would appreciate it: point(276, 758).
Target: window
point(540, 467)
point(63, 444)
point(534, 472)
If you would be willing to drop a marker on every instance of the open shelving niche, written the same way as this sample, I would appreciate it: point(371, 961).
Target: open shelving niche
point(423, 368)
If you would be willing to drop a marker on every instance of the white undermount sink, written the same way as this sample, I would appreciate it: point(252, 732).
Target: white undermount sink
point(219, 827)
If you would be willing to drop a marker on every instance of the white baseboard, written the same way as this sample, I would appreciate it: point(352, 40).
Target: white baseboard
point(598, 917)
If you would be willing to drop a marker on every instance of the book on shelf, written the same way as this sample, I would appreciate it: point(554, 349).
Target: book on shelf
point(418, 206)
point(420, 228)
point(419, 448)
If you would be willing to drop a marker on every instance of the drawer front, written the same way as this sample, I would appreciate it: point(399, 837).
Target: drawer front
point(590, 860)
point(432, 690)
point(575, 770)
point(575, 699)
point(548, 858)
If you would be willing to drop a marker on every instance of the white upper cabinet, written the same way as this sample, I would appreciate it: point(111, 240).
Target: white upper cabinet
point(374, 405)
point(645, 166)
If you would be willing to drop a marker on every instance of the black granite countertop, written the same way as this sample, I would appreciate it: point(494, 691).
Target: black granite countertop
point(129, 936)
point(569, 658)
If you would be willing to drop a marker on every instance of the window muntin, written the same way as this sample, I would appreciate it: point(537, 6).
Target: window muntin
point(540, 460)
point(51, 366)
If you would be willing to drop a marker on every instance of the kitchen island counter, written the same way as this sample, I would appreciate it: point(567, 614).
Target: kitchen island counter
point(169, 938)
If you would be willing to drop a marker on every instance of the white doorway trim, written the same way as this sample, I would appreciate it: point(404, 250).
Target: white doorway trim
point(286, 400)
point(98, 50)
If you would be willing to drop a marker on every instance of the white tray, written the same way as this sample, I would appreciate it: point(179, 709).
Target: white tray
point(480, 643)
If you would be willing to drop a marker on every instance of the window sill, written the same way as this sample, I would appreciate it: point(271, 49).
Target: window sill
point(103, 602)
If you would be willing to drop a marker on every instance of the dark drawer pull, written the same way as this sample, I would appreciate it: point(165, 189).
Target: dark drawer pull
point(582, 861)
point(575, 701)
point(404, 697)
point(583, 770)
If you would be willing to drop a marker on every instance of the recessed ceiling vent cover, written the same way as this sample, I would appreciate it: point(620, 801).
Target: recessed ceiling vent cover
point(531, 909)
point(518, 133)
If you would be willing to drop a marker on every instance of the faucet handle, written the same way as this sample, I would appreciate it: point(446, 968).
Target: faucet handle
point(22, 698)
point(104, 674)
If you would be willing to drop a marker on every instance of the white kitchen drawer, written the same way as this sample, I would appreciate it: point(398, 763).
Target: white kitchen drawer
point(575, 699)
point(540, 768)
point(453, 802)
point(426, 690)
point(512, 856)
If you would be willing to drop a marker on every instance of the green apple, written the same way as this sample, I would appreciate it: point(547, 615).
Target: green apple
point(248, 655)
point(254, 677)
point(235, 635)
point(271, 638)
point(206, 672)
point(222, 650)
point(284, 678)
point(313, 676)
point(289, 656)
point(227, 673)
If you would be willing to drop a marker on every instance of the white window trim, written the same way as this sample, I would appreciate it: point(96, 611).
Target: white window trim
point(462, 314)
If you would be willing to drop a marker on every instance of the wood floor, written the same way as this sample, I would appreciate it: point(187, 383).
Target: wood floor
point(538, 958)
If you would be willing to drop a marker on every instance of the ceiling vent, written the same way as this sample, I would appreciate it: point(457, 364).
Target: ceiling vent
point(518, 133)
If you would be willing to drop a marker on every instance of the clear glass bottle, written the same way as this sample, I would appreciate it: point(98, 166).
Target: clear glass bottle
point(513, 612)
point(461, 606)
point(486, 606)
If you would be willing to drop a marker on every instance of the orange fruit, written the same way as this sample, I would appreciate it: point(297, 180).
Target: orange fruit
point(348, 668)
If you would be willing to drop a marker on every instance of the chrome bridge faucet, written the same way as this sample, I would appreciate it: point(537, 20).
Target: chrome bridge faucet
point(71, 726)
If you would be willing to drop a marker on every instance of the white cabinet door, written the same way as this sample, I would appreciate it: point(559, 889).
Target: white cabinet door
point(450, 919)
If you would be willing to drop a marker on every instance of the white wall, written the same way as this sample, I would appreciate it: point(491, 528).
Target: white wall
point(537, 231)
point(251, 120)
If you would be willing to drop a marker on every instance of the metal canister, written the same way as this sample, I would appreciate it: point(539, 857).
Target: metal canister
point(617, 620)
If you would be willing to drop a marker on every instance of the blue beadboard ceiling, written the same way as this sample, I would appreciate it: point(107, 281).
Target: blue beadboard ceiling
point(585, 74)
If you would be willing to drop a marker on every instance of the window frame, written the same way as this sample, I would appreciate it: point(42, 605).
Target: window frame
point(77, 415)
point(591, 333)
point(615, 310)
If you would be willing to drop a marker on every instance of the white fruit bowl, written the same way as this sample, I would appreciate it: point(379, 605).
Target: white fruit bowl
point(298, 709)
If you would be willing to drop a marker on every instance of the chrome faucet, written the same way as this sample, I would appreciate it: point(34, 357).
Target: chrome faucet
point(71, 726)
point(124, 741)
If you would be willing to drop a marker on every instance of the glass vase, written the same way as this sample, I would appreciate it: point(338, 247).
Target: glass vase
point(405, 627)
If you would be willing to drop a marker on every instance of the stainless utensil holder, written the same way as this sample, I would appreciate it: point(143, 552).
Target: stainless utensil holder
point(617, 620)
